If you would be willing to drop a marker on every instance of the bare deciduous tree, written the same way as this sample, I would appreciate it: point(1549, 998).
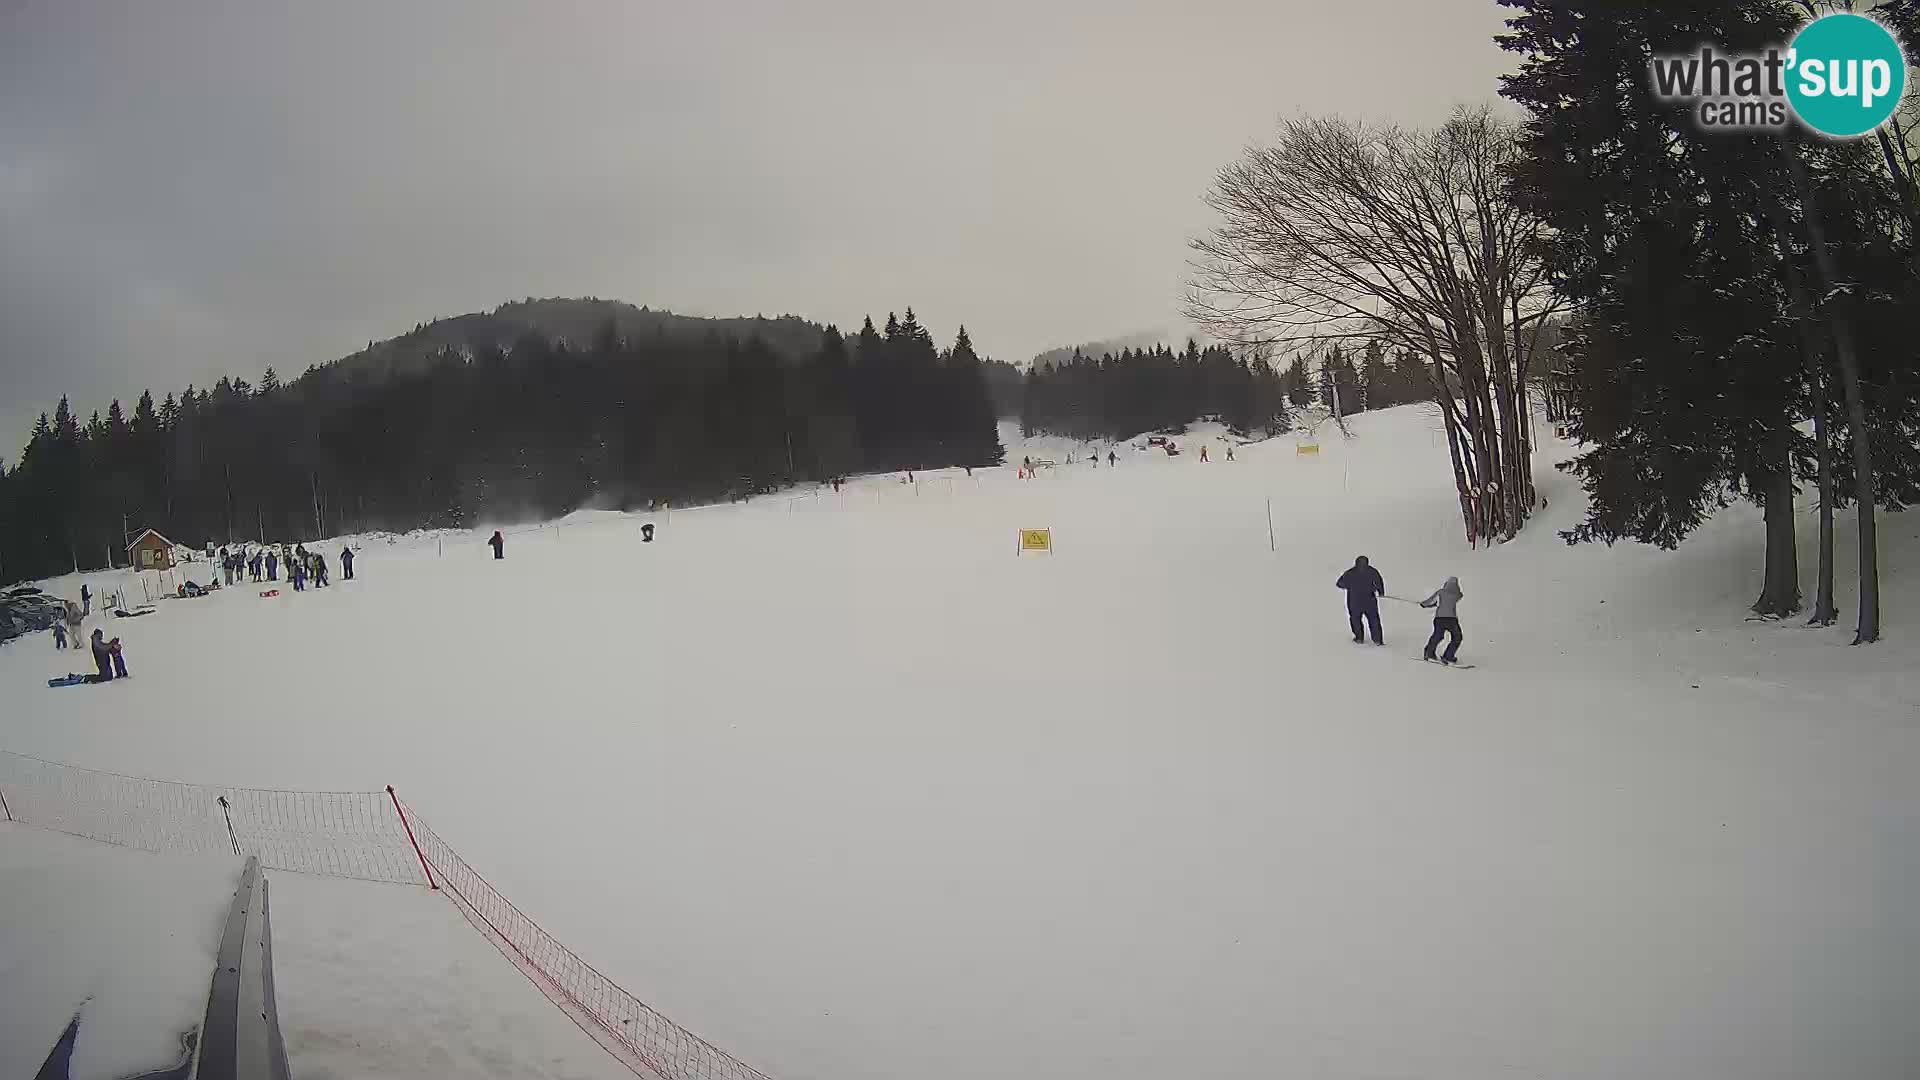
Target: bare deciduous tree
point(1344, 230)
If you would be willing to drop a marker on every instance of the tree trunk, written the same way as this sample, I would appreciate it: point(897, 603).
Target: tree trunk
point(1868, 629)
point(1824, 612)
point(1780, 593)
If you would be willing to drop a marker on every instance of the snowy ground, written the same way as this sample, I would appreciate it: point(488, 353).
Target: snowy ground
point(850, 788)
point(125, 938)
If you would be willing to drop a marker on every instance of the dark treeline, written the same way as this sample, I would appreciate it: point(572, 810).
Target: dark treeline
point(1119, 396)
point(1377, 381)
point(534, 429)
point(1116, 397)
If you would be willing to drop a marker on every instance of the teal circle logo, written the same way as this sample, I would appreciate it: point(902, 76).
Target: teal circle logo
point(1845, 75)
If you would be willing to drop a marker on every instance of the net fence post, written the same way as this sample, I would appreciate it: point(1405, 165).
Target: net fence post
point(428, 870)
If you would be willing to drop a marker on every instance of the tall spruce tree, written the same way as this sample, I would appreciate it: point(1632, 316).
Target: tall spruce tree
point(1685, 382)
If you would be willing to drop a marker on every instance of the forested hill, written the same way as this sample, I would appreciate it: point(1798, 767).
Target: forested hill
point(1141, 341)
point(580, 322)
point(493, 418)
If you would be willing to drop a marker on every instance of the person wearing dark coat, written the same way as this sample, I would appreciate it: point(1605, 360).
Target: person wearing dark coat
point(273, 565)
point(1364, 588)
point(102, 658)
point(86, 600)
point(499, 544)
point(346, 563)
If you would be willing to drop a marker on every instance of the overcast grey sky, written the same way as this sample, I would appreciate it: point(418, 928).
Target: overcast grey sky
point(190, 188)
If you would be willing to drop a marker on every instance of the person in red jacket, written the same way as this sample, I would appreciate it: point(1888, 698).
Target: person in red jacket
point(499, 545)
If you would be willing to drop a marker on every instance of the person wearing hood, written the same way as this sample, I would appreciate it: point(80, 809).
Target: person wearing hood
point(102, 658)
point(1445, 603)
point(1364, 587)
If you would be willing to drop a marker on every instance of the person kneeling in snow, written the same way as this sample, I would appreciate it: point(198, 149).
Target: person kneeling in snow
point(102, 657)
point(1446, 619)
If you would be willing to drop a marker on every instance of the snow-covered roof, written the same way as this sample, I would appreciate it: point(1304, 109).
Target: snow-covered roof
point(144, 533)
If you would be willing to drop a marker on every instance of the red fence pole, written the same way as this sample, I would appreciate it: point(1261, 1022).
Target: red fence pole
point(410, 839)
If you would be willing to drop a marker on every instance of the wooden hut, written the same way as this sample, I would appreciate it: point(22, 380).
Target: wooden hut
point(150, 551)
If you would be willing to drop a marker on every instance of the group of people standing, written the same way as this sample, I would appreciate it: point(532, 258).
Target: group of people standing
point(1364, 587)
point(263, 564)
point(108, 661)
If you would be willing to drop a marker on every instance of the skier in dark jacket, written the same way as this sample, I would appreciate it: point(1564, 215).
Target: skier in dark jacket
point(1364, 588)
point(499, 544)
point(346, 563)
point(86, 600)
point(273, 565)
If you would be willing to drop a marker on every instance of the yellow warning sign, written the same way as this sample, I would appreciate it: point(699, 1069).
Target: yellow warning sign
point(1307, 448)
point(1036, 540)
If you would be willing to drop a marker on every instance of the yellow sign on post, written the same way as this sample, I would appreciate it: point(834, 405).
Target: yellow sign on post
point(1036, 540)
point(1307, 448)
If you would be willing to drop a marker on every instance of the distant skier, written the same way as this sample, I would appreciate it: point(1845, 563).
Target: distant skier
point(297, 573)
point(273, 565)
point(86, 600)
point(319, 570)
point(499, 545)
point(646, 533)
point(1111, 459)
point(346, 563)
point(1364, 588)
point(1229, 451)
point(226, 566)
point(60, 635)
point(1203, 451)
point(1445, 603)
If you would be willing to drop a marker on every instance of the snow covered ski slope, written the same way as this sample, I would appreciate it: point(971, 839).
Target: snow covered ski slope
point(851, 787)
